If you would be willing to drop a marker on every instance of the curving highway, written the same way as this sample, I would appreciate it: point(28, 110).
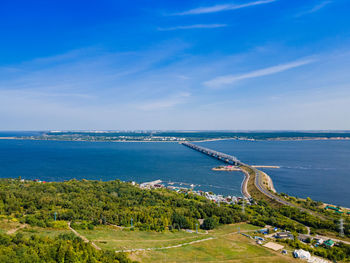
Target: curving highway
point(258, 175)
point(261, 188)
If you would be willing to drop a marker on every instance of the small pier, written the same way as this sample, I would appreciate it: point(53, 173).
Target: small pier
point(230, 159)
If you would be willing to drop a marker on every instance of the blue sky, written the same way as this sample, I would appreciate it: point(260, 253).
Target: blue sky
point(238, 65)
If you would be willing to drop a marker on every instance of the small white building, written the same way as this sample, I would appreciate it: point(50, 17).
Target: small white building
point(319, 241)
point(302, 254)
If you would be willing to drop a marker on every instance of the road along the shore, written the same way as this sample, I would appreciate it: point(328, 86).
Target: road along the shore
point(261, 188)
point(258, 182)
point(259, 185)
point(244, 185)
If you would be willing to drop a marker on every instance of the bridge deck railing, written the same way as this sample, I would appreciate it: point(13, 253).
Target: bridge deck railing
point(219, 155)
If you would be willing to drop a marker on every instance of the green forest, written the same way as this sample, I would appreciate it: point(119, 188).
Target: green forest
point(64, 248)
point(111, 202)
point(87, 204)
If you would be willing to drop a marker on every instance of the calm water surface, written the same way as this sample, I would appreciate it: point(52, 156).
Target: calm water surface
point(318, 169)
point(59, 160)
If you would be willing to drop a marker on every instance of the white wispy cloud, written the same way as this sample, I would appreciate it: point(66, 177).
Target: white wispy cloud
point(314, 9)
point(197, 26)
point(168, 102)
point(229, 79)
point(220, 8)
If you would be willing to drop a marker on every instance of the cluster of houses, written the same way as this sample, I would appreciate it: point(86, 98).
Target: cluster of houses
point(272, 232)
point(103, 136)
point(163, 138)
point(317, 241)
point(219, 198)
point(337, 210)
point(146, 138)
point(35, 180)
point(209, 195)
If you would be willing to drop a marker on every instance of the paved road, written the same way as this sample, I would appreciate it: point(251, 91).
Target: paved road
point(244, 185)
point(261, 188)
point(259, 185)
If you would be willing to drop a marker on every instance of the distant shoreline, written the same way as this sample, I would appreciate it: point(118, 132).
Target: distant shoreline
point(195, 141)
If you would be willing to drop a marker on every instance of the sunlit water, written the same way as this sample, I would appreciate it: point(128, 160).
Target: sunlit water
point(318, 169)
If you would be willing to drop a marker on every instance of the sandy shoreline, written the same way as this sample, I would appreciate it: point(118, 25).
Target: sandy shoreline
point(266, 166)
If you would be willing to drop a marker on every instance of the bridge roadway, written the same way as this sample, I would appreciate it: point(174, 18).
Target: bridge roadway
point(225, 158)
point(218, 155)
point(233, 160)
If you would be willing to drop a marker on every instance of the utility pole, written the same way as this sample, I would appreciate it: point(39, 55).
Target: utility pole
point(341, 227)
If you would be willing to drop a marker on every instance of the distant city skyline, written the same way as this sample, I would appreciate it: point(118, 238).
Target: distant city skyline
point(175, 65)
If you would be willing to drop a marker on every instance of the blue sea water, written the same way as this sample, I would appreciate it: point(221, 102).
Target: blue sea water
point(127, 161)
point(318, 169)
point(20, 133)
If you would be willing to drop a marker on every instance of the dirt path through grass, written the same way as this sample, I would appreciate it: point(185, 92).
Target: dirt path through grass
point(14, 230)
point(160, 248)
point(83, 238)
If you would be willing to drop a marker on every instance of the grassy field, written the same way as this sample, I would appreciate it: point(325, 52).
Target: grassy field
point(226, 244)
point(232, 248)
point(51, 232)
point(109, 237)
point(226, 229)
point(12, 227)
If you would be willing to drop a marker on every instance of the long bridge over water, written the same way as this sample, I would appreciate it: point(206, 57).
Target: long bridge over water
point(258, 182)
point(230, 159)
